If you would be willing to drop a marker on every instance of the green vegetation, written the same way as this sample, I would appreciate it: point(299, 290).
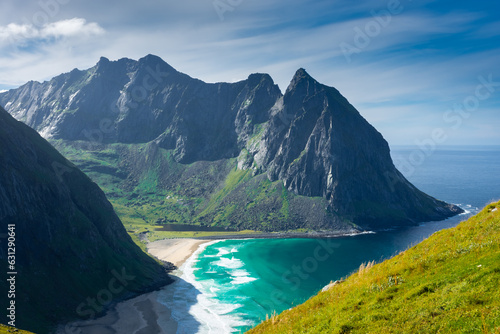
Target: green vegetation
point(254, 140)
point(234, 178)
point(160, 235)
point(7, 329)
point(449, 283)
point(148, 188)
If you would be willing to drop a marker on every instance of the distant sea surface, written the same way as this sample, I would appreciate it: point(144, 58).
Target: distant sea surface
point(231, 285)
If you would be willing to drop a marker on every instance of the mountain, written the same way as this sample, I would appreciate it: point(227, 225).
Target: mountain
point(167, 148)
point(446, 284)
point(73, 256)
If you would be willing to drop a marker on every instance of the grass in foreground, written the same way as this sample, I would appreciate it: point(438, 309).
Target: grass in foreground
point(449, 283)
point(7, 329)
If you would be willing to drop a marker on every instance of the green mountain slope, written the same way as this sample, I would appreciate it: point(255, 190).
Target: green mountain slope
point(449, 283)
point(147, 186)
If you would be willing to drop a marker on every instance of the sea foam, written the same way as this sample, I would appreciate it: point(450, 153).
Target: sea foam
point(192, 302)
point(232, 263)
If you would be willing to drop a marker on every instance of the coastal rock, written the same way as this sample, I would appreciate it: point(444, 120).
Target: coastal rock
point(331, 285)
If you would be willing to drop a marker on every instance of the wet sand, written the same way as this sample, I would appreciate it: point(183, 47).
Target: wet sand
point(143, 314)
point(140, 315)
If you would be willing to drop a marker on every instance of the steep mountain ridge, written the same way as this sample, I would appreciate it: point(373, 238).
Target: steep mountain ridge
point(240, 155)
point(114, 102)
point(64, 227)
point(319, 145)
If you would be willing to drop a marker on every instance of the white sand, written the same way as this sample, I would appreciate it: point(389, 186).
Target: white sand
point(176, 251)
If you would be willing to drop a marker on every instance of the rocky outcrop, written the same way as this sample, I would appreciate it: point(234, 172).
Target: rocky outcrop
point(69, 242)
point(310, 140)
point(319, 145)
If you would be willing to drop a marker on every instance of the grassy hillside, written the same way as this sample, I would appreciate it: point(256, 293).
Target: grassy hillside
point(147, 187)
point(449, 283)
point(7, 329)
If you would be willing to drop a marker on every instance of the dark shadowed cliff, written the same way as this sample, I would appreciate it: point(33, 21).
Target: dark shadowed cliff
point(69, 243)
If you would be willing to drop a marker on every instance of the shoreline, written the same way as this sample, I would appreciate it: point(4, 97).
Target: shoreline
point(143, 313)
point(281, 235)
point(175, 251)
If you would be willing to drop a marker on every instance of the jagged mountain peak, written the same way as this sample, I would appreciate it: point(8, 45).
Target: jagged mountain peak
point(302, 73)
point(156, 63)
point(103, 60)
point(303, 83)
point(256, 78)
point(103, 64)
point(151, 58)
point(311, 139)
point(150, 64)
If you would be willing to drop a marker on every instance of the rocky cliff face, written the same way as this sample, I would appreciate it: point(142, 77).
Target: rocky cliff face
point(319, 145)
point(318, 155)
point(138, 102)
point(70, 244)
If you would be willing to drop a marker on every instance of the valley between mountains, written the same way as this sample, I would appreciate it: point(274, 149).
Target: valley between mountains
point(170, 149)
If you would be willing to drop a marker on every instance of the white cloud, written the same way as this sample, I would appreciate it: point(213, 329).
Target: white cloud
point(72, 27)
point(14, 33)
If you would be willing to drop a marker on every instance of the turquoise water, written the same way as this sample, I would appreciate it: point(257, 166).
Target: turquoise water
point(260, 276)
point(231, 285)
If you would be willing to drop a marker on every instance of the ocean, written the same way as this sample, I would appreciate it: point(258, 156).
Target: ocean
point(232, 285)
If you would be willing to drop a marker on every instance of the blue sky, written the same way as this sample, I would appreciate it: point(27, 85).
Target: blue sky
point(414, 69)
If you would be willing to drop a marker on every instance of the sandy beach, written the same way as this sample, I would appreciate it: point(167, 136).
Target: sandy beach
point(143, 314)
point(176, 251)
point(140, 315)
